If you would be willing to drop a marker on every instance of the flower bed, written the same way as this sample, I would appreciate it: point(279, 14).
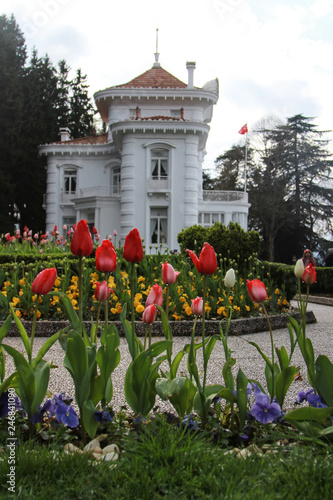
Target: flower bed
point(235, 408)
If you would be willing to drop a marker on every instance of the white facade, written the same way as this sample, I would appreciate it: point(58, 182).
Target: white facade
point(146, 172)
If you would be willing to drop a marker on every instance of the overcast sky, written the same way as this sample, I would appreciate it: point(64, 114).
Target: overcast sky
point(272, 57)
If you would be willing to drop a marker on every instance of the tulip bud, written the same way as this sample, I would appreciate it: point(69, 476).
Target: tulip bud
point(155, 296)
point(299, 269)
point(169, 275)
point(230, 278)
point(102, 291)
point(133, 250)
point(44, 281)
point(309, 275)
point(81, 244)
point(149, 314)
point(256, 290)
point(197, 306)
point(106, 257)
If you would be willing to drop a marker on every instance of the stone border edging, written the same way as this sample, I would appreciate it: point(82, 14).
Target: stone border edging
point(179, 328)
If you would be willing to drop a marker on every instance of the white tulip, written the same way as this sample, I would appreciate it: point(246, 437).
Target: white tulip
point(299, 269)
point(230, 278)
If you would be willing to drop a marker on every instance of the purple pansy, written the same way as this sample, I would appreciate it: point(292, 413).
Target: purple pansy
point(302, 396)
point(104, 416)
point(264, 411)
point(66, 415)
point(316, 401)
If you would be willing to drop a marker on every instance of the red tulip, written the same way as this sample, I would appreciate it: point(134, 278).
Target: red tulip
point(309, 276)
point(102, 291)
point(81, 244)
point(256, 290)
point(207, 262)
point(197, 306)
point(106, 257)
point(169, 275)
point(155, 296)
point(133, 251)
point(44, 281)
point(94, 230)
point(149, 314)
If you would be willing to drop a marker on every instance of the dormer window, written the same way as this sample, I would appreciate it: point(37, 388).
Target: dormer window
point(159, 164)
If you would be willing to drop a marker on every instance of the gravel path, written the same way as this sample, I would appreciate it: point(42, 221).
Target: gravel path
point(248, 359)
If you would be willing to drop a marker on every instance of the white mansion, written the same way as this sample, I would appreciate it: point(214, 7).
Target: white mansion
point(146, 172)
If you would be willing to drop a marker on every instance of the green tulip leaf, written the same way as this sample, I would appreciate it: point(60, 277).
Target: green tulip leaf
point(241, 397)
point(27, 382)
point(283, 382)
point(22, 332)
point(309, 413)
point(42, 375)
point(211, 391)
point(88, 417)
point(7, 382)
point(283, 357)
point(5, 327)
point(227, 373)
point(324, 379)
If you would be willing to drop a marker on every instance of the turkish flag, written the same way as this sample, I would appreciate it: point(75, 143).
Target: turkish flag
point(243, 130)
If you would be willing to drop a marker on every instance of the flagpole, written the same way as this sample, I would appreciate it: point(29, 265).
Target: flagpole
point(245, 183)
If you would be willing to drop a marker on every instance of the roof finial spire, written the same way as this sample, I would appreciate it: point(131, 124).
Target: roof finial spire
point(157, 55)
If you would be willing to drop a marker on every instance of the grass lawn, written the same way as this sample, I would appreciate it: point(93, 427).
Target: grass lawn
point(164, 461)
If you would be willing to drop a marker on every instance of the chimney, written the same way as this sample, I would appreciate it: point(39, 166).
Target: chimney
point(65, 134)
point(190, 66)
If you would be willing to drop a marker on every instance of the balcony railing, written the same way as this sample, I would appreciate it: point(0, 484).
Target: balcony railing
point(227, 196)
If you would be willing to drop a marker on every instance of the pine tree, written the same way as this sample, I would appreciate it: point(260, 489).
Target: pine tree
point(82, 110)
point(13, 56)
point(302, 157)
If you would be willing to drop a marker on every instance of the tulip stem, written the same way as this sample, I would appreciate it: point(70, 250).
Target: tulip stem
point(203, 331)
point(106, 312)
point(33, 329)
point(80, 294)
point(272, 346)
point(167, 301)
point(132, 305)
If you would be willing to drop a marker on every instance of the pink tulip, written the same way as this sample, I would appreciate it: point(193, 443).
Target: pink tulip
point(149, 314)
point(309, 275)
point(102, 291)
point(155, 296)
point(197, 306)
point(169, 275)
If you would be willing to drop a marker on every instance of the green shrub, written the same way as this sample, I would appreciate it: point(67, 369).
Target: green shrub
point(231, 242)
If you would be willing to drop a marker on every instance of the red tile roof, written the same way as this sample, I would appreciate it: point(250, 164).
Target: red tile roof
point(92, 139)
point(154, 78)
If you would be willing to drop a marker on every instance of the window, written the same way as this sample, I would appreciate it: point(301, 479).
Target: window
point(70, 181)
point(115, 181)
point(159, 164)
point(158, 225)
point(207, 219)
point(239, 217)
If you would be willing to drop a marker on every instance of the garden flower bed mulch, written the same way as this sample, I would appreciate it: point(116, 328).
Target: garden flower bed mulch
point(179, 328)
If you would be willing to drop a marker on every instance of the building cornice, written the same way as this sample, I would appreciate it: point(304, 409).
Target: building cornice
point(131, 126)
point(64, 149)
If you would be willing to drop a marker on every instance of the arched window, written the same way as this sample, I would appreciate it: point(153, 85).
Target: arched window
point(159, 161)
point(70, 176)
